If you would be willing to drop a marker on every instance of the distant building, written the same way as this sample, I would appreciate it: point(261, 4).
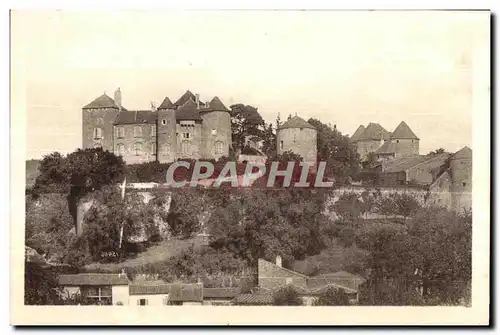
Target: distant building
point(375, 139)
point(300, 137)
point(101, 288)
point(452, 187)
point(188, 128)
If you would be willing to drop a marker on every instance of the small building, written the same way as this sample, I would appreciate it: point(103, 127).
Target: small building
point(149, 294)
point(96, 288)
point(219, 296)
point(186, 294)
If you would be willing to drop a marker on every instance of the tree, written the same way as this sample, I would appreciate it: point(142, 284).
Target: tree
point(348, 208)
point(333, 297)
point(286, 296)
point(385, 205)
point(340, 155)
point(269, 143)
point(185, 209)
point(245, 120)
point(405, 205)
point(436, 152)
point(370, 159)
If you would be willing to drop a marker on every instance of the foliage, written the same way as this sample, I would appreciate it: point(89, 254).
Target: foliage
point(371, 159)
point(432, 257)
point(436, 152)
point(405, 205)
point(348, 208)
point(269, 141)
point(333, 297)
point(40, 285)
point(47, 225)
point(385, 205)
point(245, 120)
point(286, 296)
point(340, 155)
point(185, 209)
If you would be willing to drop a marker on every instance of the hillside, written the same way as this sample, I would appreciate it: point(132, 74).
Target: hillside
point(31, 171)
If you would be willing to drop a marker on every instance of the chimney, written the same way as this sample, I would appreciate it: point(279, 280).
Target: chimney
point(278, 261)
point(118, 98)
point(197, 101)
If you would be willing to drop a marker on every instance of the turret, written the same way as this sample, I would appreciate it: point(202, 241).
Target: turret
point(166, 132)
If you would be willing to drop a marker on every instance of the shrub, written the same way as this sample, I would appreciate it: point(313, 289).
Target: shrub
point(286, 296)
point(333, 297)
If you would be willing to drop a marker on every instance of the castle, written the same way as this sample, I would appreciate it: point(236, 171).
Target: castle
point(300, 137)
point(188, 128)
point(385, 145)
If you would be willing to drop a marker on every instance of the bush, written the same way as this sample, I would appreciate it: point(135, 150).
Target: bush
point(333, 297)
point(286, 296)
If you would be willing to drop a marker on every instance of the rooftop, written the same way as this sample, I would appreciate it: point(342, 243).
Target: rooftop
point(403, 131)
point(374, 131)
point(93, 279)
point(104, 101)
point(296, 122)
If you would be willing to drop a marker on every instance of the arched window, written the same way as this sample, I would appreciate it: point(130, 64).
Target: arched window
point(137, 131)
point(185, 147)
point(137, 149)
point(97, 133)
point(153, 148)
point(218, 147)
point(120, 149)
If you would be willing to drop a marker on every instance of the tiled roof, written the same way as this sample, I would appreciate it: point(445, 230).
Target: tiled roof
point(375, 131)
point(188, 111)
point(271, 270)
point(82, 279)
point(357, 133)
point(296, 122)
point(405, 163)
point(254, 299)
point(464, 153)
point(136, 117)
point(149, 289)
point(103, 101)
point(403, 131)
point(185, 98)
point(186, 292)
point(215, 105)
point(221, 292)
point(166, 104)
point(387, 148)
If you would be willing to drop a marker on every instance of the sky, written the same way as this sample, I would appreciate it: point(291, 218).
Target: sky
point(343, 68)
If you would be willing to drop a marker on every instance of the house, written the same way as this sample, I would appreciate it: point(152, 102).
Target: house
point(98, 288)
point(219, 296)
point(186, 294)
point(411, 169)
point(149, 294)
point(273, 277)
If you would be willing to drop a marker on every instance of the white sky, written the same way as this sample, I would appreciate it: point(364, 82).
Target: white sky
point(345, 68)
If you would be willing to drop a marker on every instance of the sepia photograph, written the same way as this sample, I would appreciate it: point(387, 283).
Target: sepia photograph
point(265, 159)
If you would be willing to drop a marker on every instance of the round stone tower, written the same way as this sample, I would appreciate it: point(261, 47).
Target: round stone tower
point(461, 179)
point(216, 130)
point(299, 137)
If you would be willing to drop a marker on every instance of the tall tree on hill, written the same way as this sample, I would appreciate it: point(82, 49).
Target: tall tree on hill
point(269, 143)
point(341, 157)
point(245, 120)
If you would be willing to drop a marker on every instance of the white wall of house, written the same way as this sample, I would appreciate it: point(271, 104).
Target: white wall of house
point(120, 294)
point(151, 299)
point(69, 291)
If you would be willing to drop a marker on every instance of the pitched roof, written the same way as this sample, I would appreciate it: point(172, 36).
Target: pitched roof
point(149, 289)
point(404, 163)
point(254, 299)
point(221, 292)
point(215, 105)
point(188, 95)
point(136, 117)
point(186, 292)
point(357, 133)
point(166, 104)
point(387, 148)
point(103, 101)
point(374, 131)
point(464, 153)
point(403, 131)
point(264, 265)
point(296, 122)
point(82, 279)
point(188, 111)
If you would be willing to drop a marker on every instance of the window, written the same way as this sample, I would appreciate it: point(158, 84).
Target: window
point(153, 148)
point(214, 132)
point(153, 131)
point(166, 148)
point(142, 302)
point(120, 132)
point(185, 135)
point(219, 147)
point(137, 149)
point(164, 121)
point(137, 131)
point(464, 184)
point(185, 147)
point(97, 133)
point(100, 294)
point(281, 145)
point(120, 149)
point(397, 141)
